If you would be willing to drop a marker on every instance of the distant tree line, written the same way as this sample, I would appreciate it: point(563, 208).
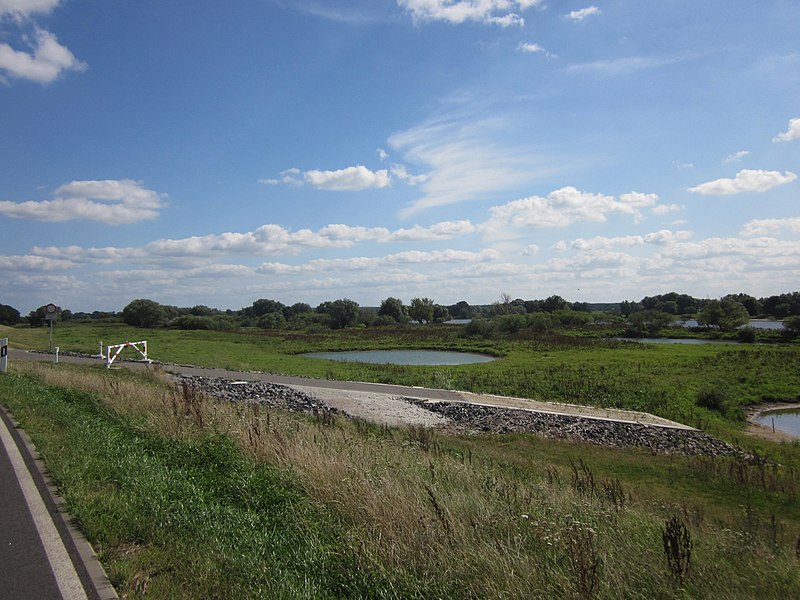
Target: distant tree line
point(506, 315)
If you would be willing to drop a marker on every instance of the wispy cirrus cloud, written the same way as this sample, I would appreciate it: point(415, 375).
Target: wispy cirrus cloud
point(735, 157)
point(746, 180)
point(622, 66)
point(114, 202)
point(464, 162)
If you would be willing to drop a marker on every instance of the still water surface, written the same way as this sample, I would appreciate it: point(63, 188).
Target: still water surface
point(690, 341)
point(405, 357)
point(787, 420)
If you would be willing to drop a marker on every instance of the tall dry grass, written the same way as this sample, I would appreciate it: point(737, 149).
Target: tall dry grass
point(422, 516)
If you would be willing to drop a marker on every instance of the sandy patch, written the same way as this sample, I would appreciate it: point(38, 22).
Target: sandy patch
point(376, 408)
point(392, 410)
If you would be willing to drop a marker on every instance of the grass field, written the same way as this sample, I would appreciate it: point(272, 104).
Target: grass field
point(701, 385)
point(192, 498)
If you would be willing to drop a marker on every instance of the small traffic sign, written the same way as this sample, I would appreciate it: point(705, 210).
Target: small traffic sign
point(50, 311)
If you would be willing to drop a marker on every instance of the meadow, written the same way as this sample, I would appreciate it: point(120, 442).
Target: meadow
point(186, 496)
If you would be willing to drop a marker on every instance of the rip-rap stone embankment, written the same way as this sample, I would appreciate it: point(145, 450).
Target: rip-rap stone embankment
point(478, 418)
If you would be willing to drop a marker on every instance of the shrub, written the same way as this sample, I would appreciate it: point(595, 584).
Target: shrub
point(144, 313)
point(273, 320)
point(217, 323)
point(747, 335)
point(715, 399)
point(479, 327)
point(510, 323)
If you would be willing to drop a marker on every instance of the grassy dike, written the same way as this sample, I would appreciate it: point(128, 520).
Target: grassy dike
point(186, 497)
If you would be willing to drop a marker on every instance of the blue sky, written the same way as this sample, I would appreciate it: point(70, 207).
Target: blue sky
point(220, 152)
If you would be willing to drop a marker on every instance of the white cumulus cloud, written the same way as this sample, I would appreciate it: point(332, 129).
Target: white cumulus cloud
point(561, 208)
point(771, 226)
point(352, 179)
point(114, 202)
point(793, 133)
point(456, 12)
point(583, 13)
point(746, 180)
point(349, 179)
point(24, 8)
point(44, 59)
point(44, 63)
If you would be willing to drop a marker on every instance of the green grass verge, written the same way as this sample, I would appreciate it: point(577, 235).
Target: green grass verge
point(209, 500)
point(179, 518)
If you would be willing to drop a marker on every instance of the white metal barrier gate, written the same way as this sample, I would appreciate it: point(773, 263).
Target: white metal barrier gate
point(140, 347)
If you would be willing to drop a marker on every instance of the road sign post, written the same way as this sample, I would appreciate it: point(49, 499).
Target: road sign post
point(50, 314)
point(3, 355)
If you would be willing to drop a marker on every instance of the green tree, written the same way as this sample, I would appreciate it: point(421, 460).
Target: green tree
point(144, 313)
point(461, 310)
point(782, 306)
point(36, 318)
point(341, 313)
point(440, 314)
point(296, 309)
point(394, 309)
point(421, 310)
point(751, 304)
point(554, 303)
point(792, 325)
point(726, 314)
point(262, 307)
point(628, 308)
point(648, 321)
point(8, 315)
point(273, 320)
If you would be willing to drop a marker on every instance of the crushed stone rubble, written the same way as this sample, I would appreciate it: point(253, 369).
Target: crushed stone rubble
point(618, 434)
point(257, 392)
point(465, 417)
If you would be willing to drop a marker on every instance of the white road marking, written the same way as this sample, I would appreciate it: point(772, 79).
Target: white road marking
point(69, 584)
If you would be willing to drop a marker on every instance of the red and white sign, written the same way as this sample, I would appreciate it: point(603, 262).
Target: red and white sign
point(50, 312)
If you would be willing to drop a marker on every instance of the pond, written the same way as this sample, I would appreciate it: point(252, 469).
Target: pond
point(787, 420)
point(405, 357)
point(754, 323)
point(676, 341)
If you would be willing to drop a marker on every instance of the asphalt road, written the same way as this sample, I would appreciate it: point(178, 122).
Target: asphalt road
point(41, 556)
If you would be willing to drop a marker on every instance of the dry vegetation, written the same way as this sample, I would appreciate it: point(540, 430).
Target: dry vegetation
point(421, 514)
